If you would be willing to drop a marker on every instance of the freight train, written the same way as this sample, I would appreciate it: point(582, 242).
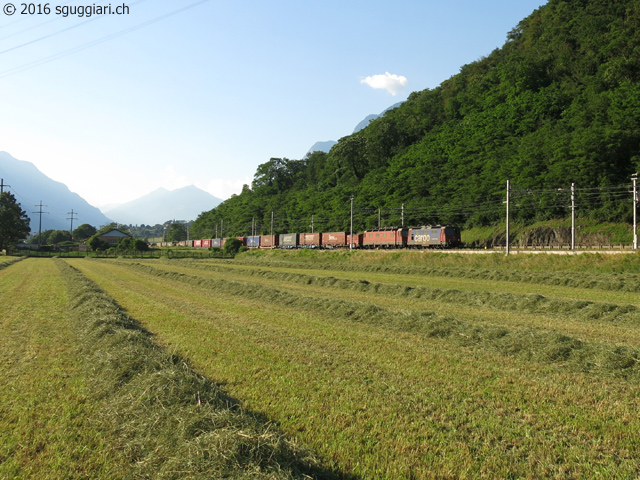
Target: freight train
point(438, 236)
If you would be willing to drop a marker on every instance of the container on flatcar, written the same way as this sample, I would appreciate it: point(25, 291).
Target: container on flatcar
point(288, 240)
point(391, 237)
point(206, 243)
point(269, 241)
point(197, 243)
point(222, 241)
point(357, 240)
point(253, 241)
point(334, 240)
point(215, 243)
point(188, 243)
point(310, 240)
point(243, 241)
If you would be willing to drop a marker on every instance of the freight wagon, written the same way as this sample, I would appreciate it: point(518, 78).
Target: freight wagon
point(253, 241)
point(357, 240)
point(269, 241)
point(288, 240)
point(334, 240)
point(310, 240)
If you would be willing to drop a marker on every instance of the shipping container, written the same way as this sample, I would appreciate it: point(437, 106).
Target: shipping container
point(253, 242)
point(310, 240)
point(334, 240)
point(206, 243)
point(269, 241)
point(197, 243)
point(357, 240)
point(215, 243)
point(288, 240)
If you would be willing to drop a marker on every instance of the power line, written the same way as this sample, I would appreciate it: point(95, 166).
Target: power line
point(51, 58)
point(72, 219)
point(40, 223)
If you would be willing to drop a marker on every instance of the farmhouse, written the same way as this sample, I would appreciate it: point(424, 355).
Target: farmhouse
point(112, 237)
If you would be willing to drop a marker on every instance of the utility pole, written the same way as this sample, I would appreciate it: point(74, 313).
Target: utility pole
point(378, 218)
point(402, 215)
point(72, 219)
point(311, 223)
point(221, 228)
point(508, 192)
point(634, 177)
point(573, 216)
point(40, 222)
point(273, 240)
point(2, 185)
point(351, 235)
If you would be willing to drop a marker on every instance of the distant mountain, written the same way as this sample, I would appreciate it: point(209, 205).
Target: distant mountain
point(322, 146)
point(30, 186)
point(326, 146)
point(162, 205)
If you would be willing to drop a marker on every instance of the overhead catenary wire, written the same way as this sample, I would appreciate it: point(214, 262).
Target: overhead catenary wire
point(51, 58)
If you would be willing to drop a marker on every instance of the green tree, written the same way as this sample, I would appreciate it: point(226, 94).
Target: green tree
point(84, 231)
point(176, 232)
point(132, 244)
point(96, 243)
point(14, 222)
point(58, 236)
point(42, 238)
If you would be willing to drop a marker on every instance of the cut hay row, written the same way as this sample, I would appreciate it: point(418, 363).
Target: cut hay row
point(544, 347)
point(599, 281)
point(531, 303)
point(168, 421)
point(383, 403)
point(8, 261)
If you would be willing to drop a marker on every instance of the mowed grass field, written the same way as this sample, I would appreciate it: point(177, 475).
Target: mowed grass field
point(369, 365)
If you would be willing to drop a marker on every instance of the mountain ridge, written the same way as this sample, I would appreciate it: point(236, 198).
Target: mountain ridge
point(30, 187)
point(161, 205)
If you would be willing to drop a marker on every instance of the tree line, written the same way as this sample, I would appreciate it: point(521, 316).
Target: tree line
point(559, 103)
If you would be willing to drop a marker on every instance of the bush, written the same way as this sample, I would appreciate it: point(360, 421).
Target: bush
point(132, 244)
point(232, 246)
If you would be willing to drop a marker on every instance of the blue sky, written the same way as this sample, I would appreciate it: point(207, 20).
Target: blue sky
point(206, 94)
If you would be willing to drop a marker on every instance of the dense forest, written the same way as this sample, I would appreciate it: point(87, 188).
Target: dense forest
point(558, 104)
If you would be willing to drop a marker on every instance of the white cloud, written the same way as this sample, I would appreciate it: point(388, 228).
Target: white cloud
point(393, 84)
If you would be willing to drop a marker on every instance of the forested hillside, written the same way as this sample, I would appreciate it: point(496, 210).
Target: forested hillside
point(558, 103)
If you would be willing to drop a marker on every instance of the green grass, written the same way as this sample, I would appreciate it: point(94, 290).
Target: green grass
point(45, 409)
point(382, 382)
point(85, 393)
